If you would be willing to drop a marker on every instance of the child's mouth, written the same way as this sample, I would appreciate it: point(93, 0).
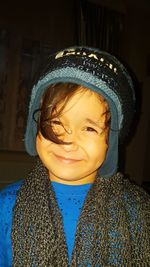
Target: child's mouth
point(66, 160)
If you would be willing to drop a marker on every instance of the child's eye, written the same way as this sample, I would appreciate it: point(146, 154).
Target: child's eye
point(91, 129)
point(56, 122)
point(57, 126)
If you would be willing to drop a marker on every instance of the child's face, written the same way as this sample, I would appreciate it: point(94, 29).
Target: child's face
point(84, 120)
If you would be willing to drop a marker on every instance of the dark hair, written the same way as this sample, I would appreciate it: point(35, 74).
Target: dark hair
point(58, 95)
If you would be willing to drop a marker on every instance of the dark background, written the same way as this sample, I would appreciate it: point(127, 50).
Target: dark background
point(31, 30)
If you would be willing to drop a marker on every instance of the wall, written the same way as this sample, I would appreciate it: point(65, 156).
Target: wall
point(14, 166)
point(51, 23)
point(55, 24)
point(135, 49)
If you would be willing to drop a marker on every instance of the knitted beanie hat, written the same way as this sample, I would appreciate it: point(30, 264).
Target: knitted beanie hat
point(100, 72)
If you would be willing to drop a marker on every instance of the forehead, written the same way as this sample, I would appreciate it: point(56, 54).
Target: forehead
point(85, 103)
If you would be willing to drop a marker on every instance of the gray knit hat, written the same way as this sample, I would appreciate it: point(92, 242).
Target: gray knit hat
point(99, 71)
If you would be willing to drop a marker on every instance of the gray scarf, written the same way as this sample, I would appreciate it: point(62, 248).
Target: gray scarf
point(113, 228)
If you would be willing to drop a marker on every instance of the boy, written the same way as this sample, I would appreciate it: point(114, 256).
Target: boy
point(74, 209)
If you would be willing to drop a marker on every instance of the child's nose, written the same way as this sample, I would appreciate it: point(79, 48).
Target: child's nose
point(72, 139)
point(70, 147)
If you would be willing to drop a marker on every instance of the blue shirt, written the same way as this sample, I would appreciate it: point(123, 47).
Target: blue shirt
point(70, 201)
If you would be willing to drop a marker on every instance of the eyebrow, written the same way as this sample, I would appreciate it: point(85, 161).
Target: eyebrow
point(94, 123)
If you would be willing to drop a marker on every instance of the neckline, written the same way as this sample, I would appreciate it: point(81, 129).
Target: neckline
point(64, 188)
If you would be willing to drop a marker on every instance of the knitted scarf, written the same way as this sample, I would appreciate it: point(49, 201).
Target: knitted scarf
point(113, 228)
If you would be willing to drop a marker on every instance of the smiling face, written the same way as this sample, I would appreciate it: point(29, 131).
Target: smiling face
point(82, 124)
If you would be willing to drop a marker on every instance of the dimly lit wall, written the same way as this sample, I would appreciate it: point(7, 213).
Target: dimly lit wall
point(51, 23)
point(55, 23)
point(136, 51)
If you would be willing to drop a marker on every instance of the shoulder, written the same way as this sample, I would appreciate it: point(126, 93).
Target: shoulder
point(128, 185)
point(7, 202)
point(122, 188)
point(134, 190)
point(11, 188)
point(8, 197)
point(134, 197)
point(9, 193)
